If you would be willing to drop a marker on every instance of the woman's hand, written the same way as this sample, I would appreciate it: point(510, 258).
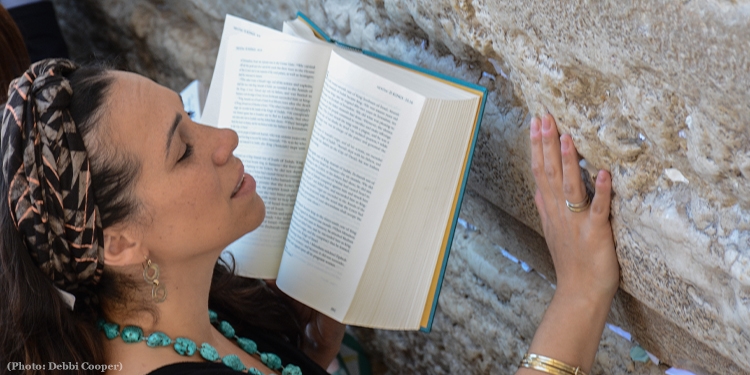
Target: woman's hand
point(580, 241)
point(322, 336)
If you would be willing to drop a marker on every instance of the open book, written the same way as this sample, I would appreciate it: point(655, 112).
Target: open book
point(361, 162)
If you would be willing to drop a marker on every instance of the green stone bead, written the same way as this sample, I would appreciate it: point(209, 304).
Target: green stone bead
point(271, 360)
point(184, 346)
point(232, 361)
point(247, 345)
point(157, 339)
point(226, 329)
point(111, 330)
point(209, 353)
point(213, 317)
point(291, 370)
point(100, 324)
point(132, 334)
point(254, 371)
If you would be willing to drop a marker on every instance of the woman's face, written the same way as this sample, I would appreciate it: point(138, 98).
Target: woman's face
point(195, 196)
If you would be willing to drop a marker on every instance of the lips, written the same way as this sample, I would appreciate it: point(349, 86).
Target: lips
point(240, 178)
point(239, 185)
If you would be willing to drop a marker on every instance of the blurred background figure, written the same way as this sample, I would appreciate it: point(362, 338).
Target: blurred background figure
point(14, 59)
point(37, 21)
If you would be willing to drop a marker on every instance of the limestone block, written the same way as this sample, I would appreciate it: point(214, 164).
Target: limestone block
point(669, 342)
point(488, 311)
point(655, 91)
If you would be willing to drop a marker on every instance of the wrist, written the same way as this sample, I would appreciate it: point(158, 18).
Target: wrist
point(572, 327)
point(589, 298)
point(586, 307)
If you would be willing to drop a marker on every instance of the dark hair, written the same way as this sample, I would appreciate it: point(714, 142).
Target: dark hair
point(14, 59)
point(36, 325)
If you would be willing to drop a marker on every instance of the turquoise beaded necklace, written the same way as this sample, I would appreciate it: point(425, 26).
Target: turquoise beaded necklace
point(186, 347)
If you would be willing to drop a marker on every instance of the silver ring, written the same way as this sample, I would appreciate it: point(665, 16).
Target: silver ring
point(580, 206)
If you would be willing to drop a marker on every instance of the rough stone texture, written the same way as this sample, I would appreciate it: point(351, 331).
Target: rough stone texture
point(487, 314)
point(651, 90)
point(652, 330)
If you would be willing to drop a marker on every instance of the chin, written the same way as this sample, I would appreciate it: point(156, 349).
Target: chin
point(257, 213)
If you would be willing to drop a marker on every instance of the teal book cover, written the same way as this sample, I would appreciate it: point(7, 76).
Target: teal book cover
point(481, 91)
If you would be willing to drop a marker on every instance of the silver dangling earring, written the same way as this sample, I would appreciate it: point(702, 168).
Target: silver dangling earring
point(151, 275)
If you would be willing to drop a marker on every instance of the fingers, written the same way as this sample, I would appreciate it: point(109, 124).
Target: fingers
point(572, 186)
point(602, 196)
point(540, 206)
point(326, 330)
point(537, 162)
point(323, 338)
point(552, 160)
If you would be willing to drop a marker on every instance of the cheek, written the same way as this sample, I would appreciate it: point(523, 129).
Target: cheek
point(186, 204)
point(199, 200)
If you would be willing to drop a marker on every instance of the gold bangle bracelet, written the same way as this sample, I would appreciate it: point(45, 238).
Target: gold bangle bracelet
point(549, 365)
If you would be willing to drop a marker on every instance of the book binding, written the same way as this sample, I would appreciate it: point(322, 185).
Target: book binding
point(440, 274)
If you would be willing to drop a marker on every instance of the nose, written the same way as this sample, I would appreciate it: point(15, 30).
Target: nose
point(227, 141)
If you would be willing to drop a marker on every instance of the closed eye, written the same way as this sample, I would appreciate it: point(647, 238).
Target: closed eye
point(188, 152)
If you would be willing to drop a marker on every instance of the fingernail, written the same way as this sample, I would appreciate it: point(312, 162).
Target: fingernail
point(545, 123)
point(564, 144)
point(602, 176)
point(534, 125)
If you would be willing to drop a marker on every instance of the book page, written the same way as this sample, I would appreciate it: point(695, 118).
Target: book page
point(270, 95)
point(398, 279)
point(232, 26)
point(297, 27)
point(360, 137)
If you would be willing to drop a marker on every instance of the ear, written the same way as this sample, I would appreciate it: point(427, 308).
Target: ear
point(122, 247)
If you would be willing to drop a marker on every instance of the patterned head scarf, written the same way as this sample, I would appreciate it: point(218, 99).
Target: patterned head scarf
point(46, 168)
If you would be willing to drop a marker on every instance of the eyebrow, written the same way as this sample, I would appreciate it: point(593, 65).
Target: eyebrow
point(172, 129)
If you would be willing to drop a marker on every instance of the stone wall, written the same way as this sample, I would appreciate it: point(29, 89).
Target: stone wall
point(488, 311)
point(658, 92)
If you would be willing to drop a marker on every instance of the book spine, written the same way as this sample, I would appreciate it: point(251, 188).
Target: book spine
point(481, 90)
point(317, 30)
point(457, 209)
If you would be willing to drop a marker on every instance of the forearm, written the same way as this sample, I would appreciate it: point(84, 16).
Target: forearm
point(570, 330)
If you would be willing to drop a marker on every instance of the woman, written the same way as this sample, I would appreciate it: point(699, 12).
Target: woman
point(108, 180)
point(162, 192)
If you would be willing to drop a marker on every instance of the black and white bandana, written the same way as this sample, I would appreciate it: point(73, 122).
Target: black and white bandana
point(46, 167)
